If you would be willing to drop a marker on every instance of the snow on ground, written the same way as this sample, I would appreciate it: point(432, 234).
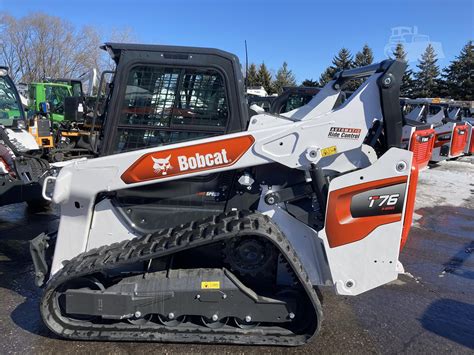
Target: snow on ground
point(447, 183)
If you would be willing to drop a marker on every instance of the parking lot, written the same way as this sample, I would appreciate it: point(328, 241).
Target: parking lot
point(428, 309)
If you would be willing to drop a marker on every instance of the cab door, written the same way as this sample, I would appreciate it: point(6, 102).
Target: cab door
point(162, 105)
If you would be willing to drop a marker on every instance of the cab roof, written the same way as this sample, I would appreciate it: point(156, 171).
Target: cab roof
point(115, 50)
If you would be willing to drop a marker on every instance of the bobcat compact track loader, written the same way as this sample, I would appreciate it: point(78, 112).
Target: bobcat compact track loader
point(461, 112)
point(201, 223)
point(451, 134)
point(418, 137)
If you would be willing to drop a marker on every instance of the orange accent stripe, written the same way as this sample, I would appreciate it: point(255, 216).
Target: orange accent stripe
point(410, 205)
point(341, 227)
point(188, 159)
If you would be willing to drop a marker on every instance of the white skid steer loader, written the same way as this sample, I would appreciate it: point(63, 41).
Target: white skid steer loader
point(201, 222)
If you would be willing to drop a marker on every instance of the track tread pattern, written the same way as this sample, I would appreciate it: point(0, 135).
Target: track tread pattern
point(161, 243)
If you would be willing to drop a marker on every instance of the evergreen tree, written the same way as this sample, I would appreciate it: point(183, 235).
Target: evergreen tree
point(459, 75)
point(406, 89)
point(343, 60)
point(265, 79)
point(284, 77)
point(310, 83)
point(252, 76)
point(427, 78)
point(364, 57)
point(327, 76)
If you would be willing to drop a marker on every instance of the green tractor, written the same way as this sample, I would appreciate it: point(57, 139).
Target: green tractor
point(51, 93)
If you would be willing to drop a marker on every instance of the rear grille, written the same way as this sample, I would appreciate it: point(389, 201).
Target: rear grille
point(422, 150)
point(459, 140)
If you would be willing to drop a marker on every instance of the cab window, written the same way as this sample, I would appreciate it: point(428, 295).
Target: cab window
point(296, 101)
point(9, 105)
point(55, 97)
point(164, 105)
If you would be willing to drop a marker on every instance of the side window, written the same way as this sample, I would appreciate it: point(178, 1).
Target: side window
point(296, 101)
point(164, 105)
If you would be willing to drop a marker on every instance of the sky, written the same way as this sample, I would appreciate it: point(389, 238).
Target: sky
point(305, 34)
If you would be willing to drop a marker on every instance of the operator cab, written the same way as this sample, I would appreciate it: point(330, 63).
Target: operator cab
point(162, 95)
point(11, 109)
point(170, 94)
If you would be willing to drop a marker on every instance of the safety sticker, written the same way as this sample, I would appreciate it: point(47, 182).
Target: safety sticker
point(344, 133)
point(325, 152)
point(210, 285)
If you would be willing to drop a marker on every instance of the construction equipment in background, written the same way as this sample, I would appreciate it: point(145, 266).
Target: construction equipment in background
point(69, 113)
point(451, 134)
point(417, 136)
point(469, 148)
point(461, 111)
point(293, 98)
point(202, 223)
point(21, 168)
point(53, 94)
point(259, 103)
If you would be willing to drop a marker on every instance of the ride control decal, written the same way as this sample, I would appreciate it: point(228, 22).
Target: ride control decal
point(344, 133)
point(188, 159)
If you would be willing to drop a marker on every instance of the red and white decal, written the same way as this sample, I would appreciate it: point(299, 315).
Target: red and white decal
point(186, 160)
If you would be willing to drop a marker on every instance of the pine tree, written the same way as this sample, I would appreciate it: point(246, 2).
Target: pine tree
point(459, 75)
point(252, 76)
point(265, 79)
point(327, 76)
point(364, 57)
point(310, 83)
point(343, 60)
point(284, 77)
point(406, 89)
point(427, 78)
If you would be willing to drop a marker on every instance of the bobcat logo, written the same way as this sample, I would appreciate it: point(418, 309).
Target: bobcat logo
point(162, 165)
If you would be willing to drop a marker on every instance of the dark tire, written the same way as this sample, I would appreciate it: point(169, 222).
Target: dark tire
point(38, 205)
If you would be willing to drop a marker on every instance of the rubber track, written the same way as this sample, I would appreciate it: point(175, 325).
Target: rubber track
point(162, 243)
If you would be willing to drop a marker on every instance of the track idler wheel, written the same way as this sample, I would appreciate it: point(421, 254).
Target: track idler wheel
point(244, 324)
point(140, 320)
point(214, 322)
point(170, 320)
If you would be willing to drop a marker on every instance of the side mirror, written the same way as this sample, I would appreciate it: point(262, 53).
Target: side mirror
point(44, 108)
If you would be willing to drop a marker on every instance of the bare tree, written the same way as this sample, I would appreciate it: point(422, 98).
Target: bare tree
point(39, 46)
point(122, 35)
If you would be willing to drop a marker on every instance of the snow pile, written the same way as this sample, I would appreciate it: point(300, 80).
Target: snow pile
point(450, 183)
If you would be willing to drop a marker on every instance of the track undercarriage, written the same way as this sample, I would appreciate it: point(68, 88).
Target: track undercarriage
point(214, 280)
